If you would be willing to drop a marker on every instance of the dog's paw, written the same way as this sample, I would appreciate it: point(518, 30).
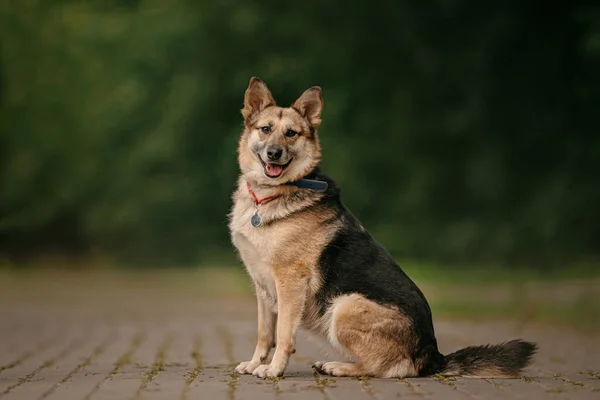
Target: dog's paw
point(317, 366)
point(268, 371)
point(247, 367)
point(335, 368)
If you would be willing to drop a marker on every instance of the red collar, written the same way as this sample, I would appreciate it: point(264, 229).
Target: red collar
point(258, 202)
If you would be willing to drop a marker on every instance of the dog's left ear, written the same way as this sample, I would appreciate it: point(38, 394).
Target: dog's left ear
point(310, 105)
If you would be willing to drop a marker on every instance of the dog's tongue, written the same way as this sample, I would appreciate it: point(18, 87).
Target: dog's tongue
point(274, 169)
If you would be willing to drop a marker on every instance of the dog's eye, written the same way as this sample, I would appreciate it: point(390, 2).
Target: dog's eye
point(266, 129)
point(290, 133)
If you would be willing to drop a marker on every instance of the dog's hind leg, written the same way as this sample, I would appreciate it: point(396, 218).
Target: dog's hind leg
point(378, 337)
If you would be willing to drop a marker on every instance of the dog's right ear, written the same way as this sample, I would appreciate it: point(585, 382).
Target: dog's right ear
point(257, 98)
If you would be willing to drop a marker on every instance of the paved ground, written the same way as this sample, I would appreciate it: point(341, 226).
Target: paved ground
point(137, 344)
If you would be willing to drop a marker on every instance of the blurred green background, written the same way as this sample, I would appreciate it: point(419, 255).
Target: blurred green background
point(463, 133)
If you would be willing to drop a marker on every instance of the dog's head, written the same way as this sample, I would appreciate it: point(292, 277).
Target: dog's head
point(278, 144)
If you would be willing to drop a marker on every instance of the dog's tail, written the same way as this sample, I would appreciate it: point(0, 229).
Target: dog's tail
point(504, 360)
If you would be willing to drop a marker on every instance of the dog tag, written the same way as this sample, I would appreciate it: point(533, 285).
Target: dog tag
point(256, 220)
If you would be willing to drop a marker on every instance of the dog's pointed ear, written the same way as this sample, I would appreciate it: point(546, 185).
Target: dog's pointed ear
point(257, 98)
point(310, 105)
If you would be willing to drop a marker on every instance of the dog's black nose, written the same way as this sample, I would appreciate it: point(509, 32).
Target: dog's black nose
point(274, 153)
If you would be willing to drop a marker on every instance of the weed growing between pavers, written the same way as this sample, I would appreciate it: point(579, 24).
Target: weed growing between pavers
point(366, 384)
point(493, 383)
point(155, 370)
point(96, 352)
point(159, 364)
point(48, 363)
point(192, 375)
point(42, 346)
point(410, 386)
point(593, 374)
point(324, 382)
point(574, 383)
point(12, 364)
point(125, 358)
point(232, 382)
point(196, 355)
point(444, 379)
point(275, 384)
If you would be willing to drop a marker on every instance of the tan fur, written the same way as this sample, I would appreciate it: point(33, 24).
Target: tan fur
point(279, 256)
point(282, 261)
point(303, 117)
point(376, 335)
point(282, 257)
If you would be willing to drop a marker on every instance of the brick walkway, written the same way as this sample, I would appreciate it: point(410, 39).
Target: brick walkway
point(138, 345)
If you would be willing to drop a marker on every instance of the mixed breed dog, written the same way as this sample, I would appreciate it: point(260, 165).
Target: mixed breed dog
point(315, 266)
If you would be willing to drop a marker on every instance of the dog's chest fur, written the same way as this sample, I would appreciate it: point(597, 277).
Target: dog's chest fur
point(288, 242)
point(255, 246)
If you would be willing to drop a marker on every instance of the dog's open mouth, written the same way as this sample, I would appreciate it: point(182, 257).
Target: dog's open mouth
point(273, 170)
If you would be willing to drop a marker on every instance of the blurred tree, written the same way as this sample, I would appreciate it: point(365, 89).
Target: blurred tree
point(460, 131)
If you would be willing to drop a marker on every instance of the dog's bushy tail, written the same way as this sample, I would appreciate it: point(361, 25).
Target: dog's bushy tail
point(504, 360)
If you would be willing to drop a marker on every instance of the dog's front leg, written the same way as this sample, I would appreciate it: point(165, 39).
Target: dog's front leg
point(291, 296)
point(267, 320)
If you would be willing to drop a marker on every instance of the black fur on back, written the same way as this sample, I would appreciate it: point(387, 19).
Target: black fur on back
point(354, 262)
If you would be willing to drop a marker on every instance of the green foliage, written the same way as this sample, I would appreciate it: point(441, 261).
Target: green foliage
point(459, 131)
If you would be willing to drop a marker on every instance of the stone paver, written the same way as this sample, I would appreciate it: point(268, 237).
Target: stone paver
point(131, 344)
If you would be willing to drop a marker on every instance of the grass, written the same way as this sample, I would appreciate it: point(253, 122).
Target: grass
point(125, 359)
point(579, 317)
point(156, 368)
point(196, 356)
point(444, 379)
point(592, 374)
point(232, 382)
point(566, 296)
point(324, 382)
point(365, 382)
point(159, 363)
point(442, 274)
point(524, 302)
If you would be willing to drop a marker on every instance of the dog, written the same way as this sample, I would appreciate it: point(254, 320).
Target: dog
point(315, 266)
